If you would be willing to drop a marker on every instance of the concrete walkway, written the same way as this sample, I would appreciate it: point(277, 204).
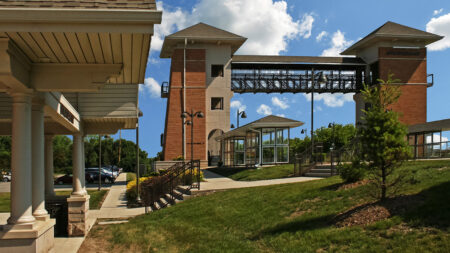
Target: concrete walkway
point(217, 182)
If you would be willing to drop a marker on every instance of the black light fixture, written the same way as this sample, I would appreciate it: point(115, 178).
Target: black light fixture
point(190, 122)
point(241, 114)
point(232, 126)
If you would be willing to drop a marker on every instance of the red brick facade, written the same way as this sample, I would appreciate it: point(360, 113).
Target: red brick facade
point(410, 66)
point(195, 100)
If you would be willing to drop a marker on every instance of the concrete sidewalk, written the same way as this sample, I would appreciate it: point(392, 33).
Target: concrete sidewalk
point(217, 182)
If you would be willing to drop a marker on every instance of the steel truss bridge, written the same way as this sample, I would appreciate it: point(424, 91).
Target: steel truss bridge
point(280, 74)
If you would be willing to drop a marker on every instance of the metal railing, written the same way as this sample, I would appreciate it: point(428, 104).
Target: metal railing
point(181, 173)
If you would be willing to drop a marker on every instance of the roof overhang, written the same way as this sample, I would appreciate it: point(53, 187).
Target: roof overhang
point(398, 39)
point(78, 20)
point(173, 42)
point(242, 131)
point(433, 126)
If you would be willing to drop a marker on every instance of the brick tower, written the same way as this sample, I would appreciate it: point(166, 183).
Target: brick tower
point(200, 79)
point(400, 50)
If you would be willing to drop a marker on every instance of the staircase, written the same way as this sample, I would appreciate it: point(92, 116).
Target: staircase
point(179, 194)
point(319, 170)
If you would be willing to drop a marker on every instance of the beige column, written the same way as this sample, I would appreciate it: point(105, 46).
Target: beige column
point(49, 181)
point(77, 161)
point(37, 154)
point(83, 166)
point(21, 205)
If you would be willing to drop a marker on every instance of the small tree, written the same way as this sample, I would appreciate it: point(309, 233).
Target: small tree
point(383, 137)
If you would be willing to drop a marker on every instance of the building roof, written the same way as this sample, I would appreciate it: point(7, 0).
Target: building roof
point(266, 122)
point(432, 126)
point(84, 4)
point(201, 33)
point(393, 31)
point(296, 59)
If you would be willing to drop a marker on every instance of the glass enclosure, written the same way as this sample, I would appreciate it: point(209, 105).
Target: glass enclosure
point(429, 145)
point(275, 145)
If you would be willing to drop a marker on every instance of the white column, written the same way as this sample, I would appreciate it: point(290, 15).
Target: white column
point(37, 154)
point(21, 208)
point(77, 160)
point(83, 165)
point(49, 181)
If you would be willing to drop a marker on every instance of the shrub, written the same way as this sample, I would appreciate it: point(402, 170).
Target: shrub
point(351, 173)
point(131, 189)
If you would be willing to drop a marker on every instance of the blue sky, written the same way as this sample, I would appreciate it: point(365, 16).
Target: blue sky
point(293, 28)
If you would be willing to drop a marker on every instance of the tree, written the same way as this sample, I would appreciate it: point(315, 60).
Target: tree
point(383, 136)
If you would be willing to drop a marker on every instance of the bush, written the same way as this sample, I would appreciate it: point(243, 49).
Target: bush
point(131, 189)
point(351, 173)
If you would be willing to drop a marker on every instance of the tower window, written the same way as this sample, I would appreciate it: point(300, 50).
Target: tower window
point(216, 70)
point(216, 103)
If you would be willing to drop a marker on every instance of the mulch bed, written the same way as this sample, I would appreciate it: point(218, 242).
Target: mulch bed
point(376, 211)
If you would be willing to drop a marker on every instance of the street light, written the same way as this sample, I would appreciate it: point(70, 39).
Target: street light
point(304, 131)
point(190, 122)
point(242, 114)
point(322, 79)
point(139, 114)
point(331, 125)
point(100, 161)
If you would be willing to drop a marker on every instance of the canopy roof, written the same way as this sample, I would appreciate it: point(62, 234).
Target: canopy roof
point(432, 126)
point(391, 31)
point(266, 122)
point(201, 33)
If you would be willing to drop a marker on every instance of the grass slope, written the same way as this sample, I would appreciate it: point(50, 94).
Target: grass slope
point(248, 174)
point(94, 202)
point(290, 218)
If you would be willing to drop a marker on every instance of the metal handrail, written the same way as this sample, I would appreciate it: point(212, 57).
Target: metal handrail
point(170, 179)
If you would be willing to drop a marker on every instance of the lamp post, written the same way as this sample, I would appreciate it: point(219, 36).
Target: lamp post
point(242, 114)
point(331, 125)
point(322, 79)
point(190, 122)
point(140, 114)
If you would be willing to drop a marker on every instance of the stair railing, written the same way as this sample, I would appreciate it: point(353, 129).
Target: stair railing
point(181, 173)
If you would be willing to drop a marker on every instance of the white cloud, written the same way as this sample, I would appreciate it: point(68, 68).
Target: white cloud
point(331, 100)
point(440, 26)
point(437, 12)
point(436, 138)
point(322, 35)
point(282, 103)
point(338, 44)
point(264, 110)
point(266, 23)
point(319, 108)
point(236, 104)
point(306, 25)
point(281, 115)
point(152, 86)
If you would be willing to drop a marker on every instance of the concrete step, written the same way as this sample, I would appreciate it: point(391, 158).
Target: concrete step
point(184, 189)
point(163, 203)
point(169, 199)
point(315, 174)
point(320, 171)
point(178, 195)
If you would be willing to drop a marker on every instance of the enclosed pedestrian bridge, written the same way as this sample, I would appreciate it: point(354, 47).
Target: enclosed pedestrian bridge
point(255, 73)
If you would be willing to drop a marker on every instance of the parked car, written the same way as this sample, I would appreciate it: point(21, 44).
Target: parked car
point(67, 179)
point(6, 177)
point(106, 178)
point(104, 170)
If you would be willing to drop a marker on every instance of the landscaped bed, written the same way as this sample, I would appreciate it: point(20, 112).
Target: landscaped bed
point(317, 216)
point(95, 200)
point(253, 174)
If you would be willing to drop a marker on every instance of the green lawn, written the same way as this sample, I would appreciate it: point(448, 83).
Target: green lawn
point(94, 202)
point(247, 174)
point(291, 218)
point(131, 176)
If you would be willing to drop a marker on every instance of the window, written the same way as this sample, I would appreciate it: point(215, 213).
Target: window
point(216, 70)
point(216, 103)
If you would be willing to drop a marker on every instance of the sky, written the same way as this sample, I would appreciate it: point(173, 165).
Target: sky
point(300, 28)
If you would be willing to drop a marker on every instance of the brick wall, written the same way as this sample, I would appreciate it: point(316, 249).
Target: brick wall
point(408, 65)
point(195, 100)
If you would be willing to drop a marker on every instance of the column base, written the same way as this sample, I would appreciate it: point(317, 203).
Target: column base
point(34, 237)
point(77, 215)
